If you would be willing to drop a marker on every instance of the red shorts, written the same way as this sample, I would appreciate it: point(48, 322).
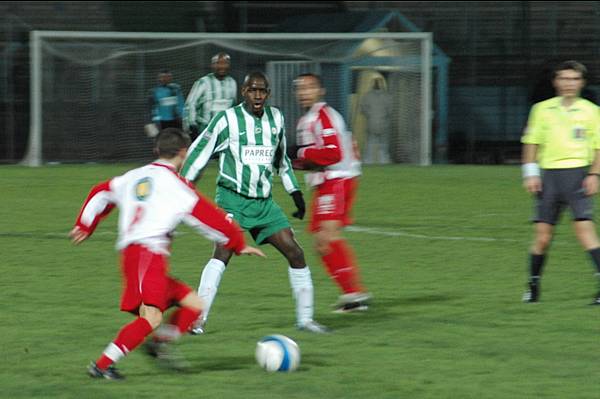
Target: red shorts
point(333, 200)
point(145, 280)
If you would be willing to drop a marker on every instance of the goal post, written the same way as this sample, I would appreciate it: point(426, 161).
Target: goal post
point(89, 90)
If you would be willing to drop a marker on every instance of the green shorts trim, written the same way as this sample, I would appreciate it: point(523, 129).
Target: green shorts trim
point(262, 217)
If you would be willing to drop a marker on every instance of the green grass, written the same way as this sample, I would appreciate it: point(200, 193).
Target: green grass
point(445, 258)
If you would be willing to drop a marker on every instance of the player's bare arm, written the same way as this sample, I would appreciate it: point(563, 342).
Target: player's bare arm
point(78, 236)
point(248, 250)
point(590, 183)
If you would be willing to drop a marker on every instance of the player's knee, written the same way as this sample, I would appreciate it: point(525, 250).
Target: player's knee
point(193, 302)
point(323, 241)
point(152, 315)
point(322, 246)
point(197, 304)
point(586, 234)
point(543, 241)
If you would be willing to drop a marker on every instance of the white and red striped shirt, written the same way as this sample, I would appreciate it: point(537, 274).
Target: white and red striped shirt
point(152, 201)
point(326, 143)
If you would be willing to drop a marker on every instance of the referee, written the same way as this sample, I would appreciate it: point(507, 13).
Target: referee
point(561, 167)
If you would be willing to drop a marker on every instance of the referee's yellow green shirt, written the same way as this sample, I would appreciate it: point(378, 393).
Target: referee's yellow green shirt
point(567, 137)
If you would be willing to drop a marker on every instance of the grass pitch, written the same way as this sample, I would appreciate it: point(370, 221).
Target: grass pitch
point(443, 249)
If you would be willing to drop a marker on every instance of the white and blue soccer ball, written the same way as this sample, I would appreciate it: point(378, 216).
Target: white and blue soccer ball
point(277, 353)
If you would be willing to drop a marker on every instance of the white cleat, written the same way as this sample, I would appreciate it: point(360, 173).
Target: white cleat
point(351, 308)
point(198, 327)
point(314, 327)
point(353, 302)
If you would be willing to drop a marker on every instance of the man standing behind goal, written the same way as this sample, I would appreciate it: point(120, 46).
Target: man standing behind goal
point(563, 135)
point(250, 141)
point(327, 149)
point(210, 94)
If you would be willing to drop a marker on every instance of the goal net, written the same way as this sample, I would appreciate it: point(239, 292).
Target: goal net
point(90, 90)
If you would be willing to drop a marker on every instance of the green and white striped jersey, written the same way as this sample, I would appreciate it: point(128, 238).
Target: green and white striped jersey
point(250, 150)
point(208, 97)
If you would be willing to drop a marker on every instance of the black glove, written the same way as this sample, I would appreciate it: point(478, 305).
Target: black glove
point(293, 151)
point(299, 202)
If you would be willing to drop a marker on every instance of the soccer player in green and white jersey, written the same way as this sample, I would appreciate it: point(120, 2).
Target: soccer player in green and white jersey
point(210, 94)
point(250, 141)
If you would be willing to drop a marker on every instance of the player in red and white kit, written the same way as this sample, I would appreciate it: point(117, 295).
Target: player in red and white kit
point(327, 149)
point(152, 201)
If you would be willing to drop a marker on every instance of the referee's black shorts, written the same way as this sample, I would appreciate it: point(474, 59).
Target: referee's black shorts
point(561, 188)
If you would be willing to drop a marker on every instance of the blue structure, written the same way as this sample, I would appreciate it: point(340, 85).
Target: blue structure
point(338, 76)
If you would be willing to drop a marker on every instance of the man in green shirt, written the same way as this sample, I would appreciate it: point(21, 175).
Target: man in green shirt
point(209, 95)
point(561, 166)
point(250, 141)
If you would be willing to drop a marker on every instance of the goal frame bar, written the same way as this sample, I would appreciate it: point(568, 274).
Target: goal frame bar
point(33, 155)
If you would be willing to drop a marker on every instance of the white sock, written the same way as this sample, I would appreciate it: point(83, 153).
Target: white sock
point(114, 353)
point(302, 288)
point(209, 284)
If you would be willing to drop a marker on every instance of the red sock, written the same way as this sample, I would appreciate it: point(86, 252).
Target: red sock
point(183, 318)
point(129, 338)
point(342, 267)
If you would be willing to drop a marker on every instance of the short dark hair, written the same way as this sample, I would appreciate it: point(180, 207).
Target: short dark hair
point(570, 65)
point(311, 75)
point(255, 75)
point(170, 141)
point(215, 58)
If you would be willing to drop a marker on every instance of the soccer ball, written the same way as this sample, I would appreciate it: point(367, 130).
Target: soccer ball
point(277, 353)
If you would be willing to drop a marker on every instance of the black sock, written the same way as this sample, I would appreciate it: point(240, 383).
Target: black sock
point(595, 254)
point(536, 263)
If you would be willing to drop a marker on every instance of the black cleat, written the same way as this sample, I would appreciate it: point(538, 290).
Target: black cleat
point(111, 373)
point(166, 355)
point(154, 348)
point(596, 300)
point(313, 327)
point(357, 306)
point(533, 295)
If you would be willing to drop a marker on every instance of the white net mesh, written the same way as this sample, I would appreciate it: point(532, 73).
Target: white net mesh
point(95, 91)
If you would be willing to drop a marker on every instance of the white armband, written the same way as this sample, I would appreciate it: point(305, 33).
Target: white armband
point(530, 169)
